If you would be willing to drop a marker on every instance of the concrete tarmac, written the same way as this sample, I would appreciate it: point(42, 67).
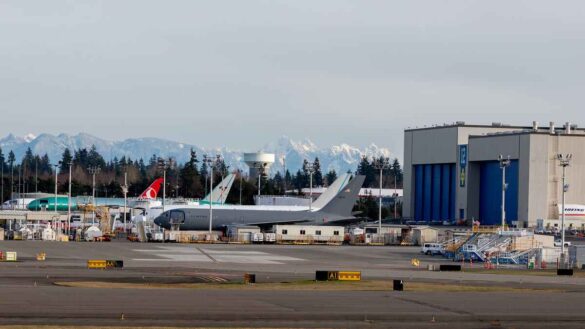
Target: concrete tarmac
point(28, 294)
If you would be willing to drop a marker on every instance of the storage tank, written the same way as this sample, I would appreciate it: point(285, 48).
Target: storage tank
point(259, 163)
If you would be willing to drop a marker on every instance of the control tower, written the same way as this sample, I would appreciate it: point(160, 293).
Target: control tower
point(259, 163)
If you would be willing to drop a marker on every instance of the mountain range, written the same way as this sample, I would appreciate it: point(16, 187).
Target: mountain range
point(340, 158)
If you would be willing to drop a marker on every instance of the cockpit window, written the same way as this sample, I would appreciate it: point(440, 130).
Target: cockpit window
point(177, 217)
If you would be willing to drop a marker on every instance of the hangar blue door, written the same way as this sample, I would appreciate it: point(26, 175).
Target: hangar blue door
point(490, 194)
point(434, 192)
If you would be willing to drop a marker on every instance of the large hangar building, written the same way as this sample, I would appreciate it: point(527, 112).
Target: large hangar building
point(452, 172)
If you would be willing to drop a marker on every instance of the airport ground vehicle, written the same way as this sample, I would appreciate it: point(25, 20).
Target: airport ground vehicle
point(432, 249)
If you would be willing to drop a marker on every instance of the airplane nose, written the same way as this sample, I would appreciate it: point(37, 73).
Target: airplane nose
point(161, 221)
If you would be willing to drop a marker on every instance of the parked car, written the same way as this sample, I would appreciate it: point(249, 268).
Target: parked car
point(432, 249)
point(558, 243)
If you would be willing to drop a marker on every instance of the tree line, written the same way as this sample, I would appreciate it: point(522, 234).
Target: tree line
point(36, 173)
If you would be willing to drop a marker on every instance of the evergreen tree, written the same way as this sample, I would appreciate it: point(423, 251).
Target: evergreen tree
point(396, 171)
point(366, 168)
point(11, 158)
point(317, 174)
point(45, 165)
point(287, 180)
point(299, 181)
point(330, 177)
point(95, 159)
point(28, 160)
point(190, 182)
point(66, 160)
point(277, 183)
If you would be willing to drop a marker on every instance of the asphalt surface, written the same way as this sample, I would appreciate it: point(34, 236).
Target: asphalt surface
point(28, 294)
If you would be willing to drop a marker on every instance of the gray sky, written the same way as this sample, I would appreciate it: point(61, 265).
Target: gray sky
point(334, 71)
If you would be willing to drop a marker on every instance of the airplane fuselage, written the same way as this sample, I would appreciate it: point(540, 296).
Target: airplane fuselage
point(198, 218)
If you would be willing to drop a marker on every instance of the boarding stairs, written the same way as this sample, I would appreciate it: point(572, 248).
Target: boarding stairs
point(480, 245)
point(515, 257)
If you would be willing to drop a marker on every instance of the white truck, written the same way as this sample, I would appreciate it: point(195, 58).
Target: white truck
point(432, 249)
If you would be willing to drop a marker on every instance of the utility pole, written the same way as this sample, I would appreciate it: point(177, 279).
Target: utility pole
point(564, 162)
point(504, 163)
point(381, 164)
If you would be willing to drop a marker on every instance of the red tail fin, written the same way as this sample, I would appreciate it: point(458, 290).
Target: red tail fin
point(152, 191)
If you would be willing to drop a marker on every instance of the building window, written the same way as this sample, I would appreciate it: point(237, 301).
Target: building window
point(284, 231)
point(317, 232)
point(335, 232)
point(302, 232)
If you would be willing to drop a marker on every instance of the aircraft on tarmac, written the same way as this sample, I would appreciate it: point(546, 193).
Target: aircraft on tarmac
point(48, 203)
point(337, 210)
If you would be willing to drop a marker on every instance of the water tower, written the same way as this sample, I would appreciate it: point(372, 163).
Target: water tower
point(259, 163)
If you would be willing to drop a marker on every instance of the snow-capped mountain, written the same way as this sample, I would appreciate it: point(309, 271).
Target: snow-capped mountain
point(288, 152)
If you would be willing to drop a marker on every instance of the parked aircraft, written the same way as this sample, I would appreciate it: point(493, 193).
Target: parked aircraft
point(339, 209)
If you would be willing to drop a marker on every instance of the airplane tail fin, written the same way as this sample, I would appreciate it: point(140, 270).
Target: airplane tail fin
point(331, 191)
point(221, 191)
point(344, 201)
point(152, 191)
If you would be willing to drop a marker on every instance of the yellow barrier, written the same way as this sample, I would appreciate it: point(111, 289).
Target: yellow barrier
point(349, 276)
point(97, 264)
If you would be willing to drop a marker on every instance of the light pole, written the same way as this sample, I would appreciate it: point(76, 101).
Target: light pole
point(211, 163)
point(395, 197)
point(36, 175)
point(125, 191)
point(241, 176)
point(11, 178)
point(504, 163)
point(564, 162)
point(311, 170)
point(93, 171)
point(56, 167)
point(2, 169)
point(260, 167)
point(165, 165)
point(381, 164)
point(69, 202)
point(284, 174)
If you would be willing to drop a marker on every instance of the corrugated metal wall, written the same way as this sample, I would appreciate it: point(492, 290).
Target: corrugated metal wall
point(490, 194)
point(434, 192)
